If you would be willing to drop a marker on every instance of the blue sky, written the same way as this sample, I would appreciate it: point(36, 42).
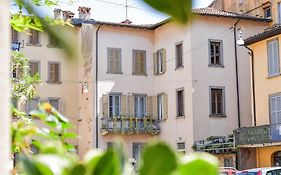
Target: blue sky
point(115, 11)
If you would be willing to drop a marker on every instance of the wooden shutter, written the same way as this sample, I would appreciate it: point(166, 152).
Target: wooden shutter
point(124, 105)
point(15, 36)
point(149, 106)
point(154, 108)
point(273, 58)
point(110, 53)
point(155, 63)
point(131, 105)
point(164, 60)
point(165, 106)
point(57, 69)
point(61, 106)
point(33, 68)
point(117, 60)
point(275, 109)
point(142, 62)
point(105, 105)
point(51, 72)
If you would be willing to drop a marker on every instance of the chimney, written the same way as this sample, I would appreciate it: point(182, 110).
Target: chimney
point(84, 13)
point(67, 15)
point(57, 13)
point(126, 22)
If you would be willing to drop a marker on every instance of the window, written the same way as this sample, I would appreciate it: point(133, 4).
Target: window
point(160, 62)
point(215, 53)
point(15, 102)
point(15, 36)
point(217, 101)
point(140, 106)
point(114, 61)
point(33, 68)
point(53, 42)
point(54, 72)
point(275, 109)
point(180, 103)
point(54, 102)
point(273, 58)
point(110, 145)
point(114, 105)
point(276, 159)
point(179, 54)
point(181, 147)
point(32, 105)
point(279, 13)
point(139, 62)
point(34, 37)
point(137, 148)
point(160, 106)
point(228, 162)
point(267, 12)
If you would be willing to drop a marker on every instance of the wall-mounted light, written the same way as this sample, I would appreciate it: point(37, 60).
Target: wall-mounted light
point(85, 87)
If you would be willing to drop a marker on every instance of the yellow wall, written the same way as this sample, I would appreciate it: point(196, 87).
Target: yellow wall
point(264, 155)
point(264, 85)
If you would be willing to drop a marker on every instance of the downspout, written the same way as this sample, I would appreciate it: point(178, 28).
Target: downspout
point(253, 84)
point(97, 114)
point(237, 75)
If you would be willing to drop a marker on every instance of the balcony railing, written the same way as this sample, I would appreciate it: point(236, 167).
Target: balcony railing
point(129, 125)
point(258, 135)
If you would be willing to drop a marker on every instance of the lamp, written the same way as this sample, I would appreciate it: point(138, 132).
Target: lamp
point(240, 41)
point(85, 87)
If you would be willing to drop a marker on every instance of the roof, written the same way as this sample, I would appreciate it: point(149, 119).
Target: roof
point(199, 11)
point(267, 33)
point(261, 169)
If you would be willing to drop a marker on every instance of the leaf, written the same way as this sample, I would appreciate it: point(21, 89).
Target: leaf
point(179, 10)
point(158, 158)
point(29, 167)
point(92, 158)
point(69, 135)
point(78, 169)
point(198, 164)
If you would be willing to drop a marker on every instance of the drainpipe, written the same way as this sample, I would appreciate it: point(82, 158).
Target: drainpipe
point(253, 84)
point(97, 114)
point(237, 75)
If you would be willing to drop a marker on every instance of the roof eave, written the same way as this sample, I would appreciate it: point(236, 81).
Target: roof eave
point(266, 35)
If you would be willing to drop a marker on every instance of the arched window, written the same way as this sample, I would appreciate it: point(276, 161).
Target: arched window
point(276, 158)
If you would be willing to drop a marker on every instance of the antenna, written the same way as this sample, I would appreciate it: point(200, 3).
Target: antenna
point(126, 9)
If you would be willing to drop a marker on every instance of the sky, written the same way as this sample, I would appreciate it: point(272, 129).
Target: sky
point(115, 10)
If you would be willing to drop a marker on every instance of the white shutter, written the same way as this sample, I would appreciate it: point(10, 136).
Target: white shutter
point(61, 106)
point(275, 109)
point(273, 58)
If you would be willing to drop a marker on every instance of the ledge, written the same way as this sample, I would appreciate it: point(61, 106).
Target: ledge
point(216, 65)
point(180, 117)
point(217, 116)
point(34, 45)
point(179, 68)
point(136, 74)
point(54, 82)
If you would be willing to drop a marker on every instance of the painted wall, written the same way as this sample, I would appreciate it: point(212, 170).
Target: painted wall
point(264, 155)
point(264, 85)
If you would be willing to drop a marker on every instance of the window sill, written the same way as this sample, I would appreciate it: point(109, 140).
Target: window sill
point(160, 73)
point(54, 82)
point(273, 76)
point(114, 73)
point(179, 68)
point(216, 65)
point(54, 46)
point(137, 74)
point(34, 45)
point(180, 117)
point(217, 116)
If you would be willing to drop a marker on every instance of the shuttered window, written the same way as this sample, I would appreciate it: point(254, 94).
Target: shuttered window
point(54, 72)
point(162, 106)
point(180, 102)
point(215, 53)
point(34, 37)
point(53, 42)
point(273, 58)
point(137, 148)
point(159, 62)
point(114, 105)
point(32, 105)
point(181, 147)
point(140, 105)
point(217, 101)
point(139, 62)
point(179, 54)
point(33, 67)
point(114, 61)
point(275, 109)
point(15, 36)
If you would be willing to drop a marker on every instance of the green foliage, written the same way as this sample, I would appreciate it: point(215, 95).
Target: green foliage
point(179, 10)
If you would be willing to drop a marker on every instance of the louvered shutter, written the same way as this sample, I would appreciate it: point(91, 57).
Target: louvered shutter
point(51, 72)
point(110, 55)
point(142, 62)
point(155, 63)
point(137, 62)
point(149, 106)
point(33, 68)
point(273, 58)
point(164, 60)
point(117, 60)
point(165, 106)
point(105, 105)
point(61, 106)
point(275, 109)
point(124, 105)
point(56, 72)
point(131, 105)
point(154, 108)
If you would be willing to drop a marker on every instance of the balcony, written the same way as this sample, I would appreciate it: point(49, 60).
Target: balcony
point(253, 136)
point(129, 125)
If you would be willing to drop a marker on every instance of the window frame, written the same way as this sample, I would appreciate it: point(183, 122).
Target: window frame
point(39, 44)
point(177, 57)
point(109, 71)
point(39, 66)
point(113, 104)
point(268, 58)
point(134, 51)
point(210, 41)
point(181, 150)
point(140, 146)
point(269, 105)
point(59, 72)
point(223, 114)
point(54, 98)
point(161, 59)
point(144, 107)
point(28, 104)
point(160, 110)
point(177, 103)
point(265, 10)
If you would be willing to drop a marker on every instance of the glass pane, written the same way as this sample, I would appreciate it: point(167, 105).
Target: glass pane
point(54, 103)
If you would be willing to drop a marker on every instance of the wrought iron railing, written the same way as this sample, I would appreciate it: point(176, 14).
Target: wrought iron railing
point(258, 135)
point(129, 125)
